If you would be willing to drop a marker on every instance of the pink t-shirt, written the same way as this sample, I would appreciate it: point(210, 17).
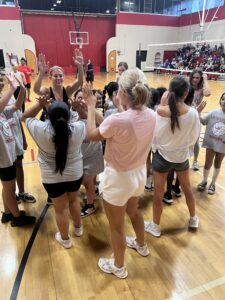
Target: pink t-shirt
point(128, 138)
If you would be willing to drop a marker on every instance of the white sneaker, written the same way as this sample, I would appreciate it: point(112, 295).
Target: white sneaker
point(152, 228)
point(132, 243)
point(195, 166)
point(211, 189)
point(193, 222)
point(65, 243)
point(78, 231)
point(107, 266)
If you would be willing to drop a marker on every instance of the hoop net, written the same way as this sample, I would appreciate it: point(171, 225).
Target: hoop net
point(157, 54)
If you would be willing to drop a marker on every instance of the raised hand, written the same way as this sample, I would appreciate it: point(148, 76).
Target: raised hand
point(89, 98)
point(78, 58)
point(80, 107)
point(204, 76)
point(42, 64)
point(164, 99)
point(12, 80)
point(201, 106)
point(43, 100)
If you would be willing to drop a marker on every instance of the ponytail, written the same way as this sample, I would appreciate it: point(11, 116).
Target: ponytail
point(61, 141)
point(173, 111)
point(178, 87)
point(59, 115)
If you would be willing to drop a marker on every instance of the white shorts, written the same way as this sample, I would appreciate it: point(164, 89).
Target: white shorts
point(118, 187)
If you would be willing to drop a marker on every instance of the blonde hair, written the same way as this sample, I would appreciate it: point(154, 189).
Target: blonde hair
point(134, 83)
point(55, 68)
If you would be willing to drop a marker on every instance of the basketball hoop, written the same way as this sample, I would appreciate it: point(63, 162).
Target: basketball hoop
point(79, 38)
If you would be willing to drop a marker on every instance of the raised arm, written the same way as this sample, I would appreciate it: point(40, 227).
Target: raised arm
point(93, 133)
point(21, 97)
point(81, 108)
point(7, 96)
point(31, 112)
point(206, 89)
point(43, 69)
point(78, 61)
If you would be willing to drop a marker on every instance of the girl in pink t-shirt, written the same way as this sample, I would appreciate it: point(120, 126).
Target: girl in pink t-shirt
point(128, 136)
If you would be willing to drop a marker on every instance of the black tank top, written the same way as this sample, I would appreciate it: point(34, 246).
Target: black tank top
point(65, 97)
point(44, 114)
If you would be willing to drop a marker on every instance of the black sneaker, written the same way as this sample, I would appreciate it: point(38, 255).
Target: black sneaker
point(96, 192)
point(6, 217)
point(22, 220)
point(26, 197)
point(18, 199)
point(49, 201)
point(167, 198)
point(176, 191)
point(87, 210)
point(148, 188)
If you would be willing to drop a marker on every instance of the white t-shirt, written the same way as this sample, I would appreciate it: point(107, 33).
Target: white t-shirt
point(42, 133)
point(177, 147)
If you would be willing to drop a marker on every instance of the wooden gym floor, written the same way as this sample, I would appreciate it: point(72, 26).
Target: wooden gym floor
point(181, 264)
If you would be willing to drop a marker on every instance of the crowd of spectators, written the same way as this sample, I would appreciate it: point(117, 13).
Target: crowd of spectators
point(203, 56)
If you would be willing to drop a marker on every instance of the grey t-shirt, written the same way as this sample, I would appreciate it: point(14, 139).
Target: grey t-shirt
point(215, 131)
point(15, 125)
point(7, 141)
point(42, 133)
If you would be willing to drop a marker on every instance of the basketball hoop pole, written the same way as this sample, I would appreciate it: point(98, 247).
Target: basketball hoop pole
point(214, 16)
point(202, 23)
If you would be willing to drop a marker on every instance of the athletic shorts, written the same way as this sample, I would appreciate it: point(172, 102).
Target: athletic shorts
point(118, 187)
point(161, 165)
point(55, 190)
point(93, 166)
point(19, 157)
point(9, 173)
point(28, 86)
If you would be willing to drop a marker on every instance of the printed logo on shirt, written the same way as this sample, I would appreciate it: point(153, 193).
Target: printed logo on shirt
point(218, 129)
point(6, 131)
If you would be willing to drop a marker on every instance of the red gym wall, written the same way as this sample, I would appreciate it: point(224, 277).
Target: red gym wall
point(51, 36)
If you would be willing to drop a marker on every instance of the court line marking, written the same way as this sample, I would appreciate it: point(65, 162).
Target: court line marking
point(30, 162)
point(199, 289)
point(202, 288)
point(25, 257)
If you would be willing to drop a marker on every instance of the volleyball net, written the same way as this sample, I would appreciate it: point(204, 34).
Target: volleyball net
point(183, 57)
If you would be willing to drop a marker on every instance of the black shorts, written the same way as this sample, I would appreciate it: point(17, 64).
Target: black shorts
point(28, 86)
point(55, 190)
point(9, 173)
point(19, 157)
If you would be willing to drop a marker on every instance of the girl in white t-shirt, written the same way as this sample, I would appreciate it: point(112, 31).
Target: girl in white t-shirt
point(128, 138)
point(177, 129)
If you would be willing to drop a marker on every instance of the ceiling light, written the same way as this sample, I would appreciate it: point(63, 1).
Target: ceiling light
point(54, 5)
point(107, 11)
point(58, 1)
point(52, 8)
